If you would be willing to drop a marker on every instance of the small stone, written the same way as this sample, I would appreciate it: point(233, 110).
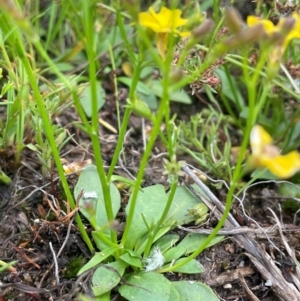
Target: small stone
point(27, 277)
point(268, 283)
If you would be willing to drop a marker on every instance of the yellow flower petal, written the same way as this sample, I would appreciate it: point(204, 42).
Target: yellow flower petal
point(295, 32)
point(161, 43)
point(283, 166)
point(148, 19)
point(175, 18)
point(269, 27)
point(182, 33)
point(265, 154)
point(165, 21)
point(259, 138)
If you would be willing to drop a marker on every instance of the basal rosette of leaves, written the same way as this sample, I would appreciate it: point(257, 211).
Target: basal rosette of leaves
point(136, 275)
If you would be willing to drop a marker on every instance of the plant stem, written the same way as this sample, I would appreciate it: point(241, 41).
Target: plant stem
point(162, 218)
point(251, 84)
point(18, 44)
point(51, 139)
point(125, 121)
point(89, 32)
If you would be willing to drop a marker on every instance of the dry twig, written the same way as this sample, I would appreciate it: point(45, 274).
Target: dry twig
point(262, 260)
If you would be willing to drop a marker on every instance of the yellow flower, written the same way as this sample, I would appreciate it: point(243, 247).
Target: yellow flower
point(295, 32)
point(163, 23)
point(268, 26)
point(266, 154)
point(281, 27)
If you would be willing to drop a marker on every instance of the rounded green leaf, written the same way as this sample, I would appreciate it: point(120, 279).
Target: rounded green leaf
point(150, 204)
point(141, 87)
point(132, 259)
point(194, 291)
point(174, 253)
point(86, 99)
point(166, 242)
point(192, 267)
point(174, 294)
point(192, 241)
point(183, 201)
point(92, 202)
point(176, 96)
point(106, 277)
point(146, 286)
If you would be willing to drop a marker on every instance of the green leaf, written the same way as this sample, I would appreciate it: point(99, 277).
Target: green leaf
point(150, 100)
point(193, 241)
point(210, 89)
point(289, 190)
point(174, 253)
point(133, 259)
point(141, 243)
point(166, 242)
point(177, 96)
point(7, 265)
point(86, 99)
point(97, 259)
point(244, 113)
point(195, 291)
point(263, 173)
point(116, 178)
point(141, 87)
point(146, 72)
point(150, 202)
point(4, 178)
point(62, 67)
point(262, 120)
point(146, 286)
point(92, 202)
point(110, 39)
point(99, 241)
point(140, 108)
point(183, 201)
point(174, 294)
point(32, 147)
point(227, 88)
point(105, 297)
point(106, 277)
point(192, 267)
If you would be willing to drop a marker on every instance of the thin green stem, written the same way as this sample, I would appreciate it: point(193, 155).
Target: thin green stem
point(251, 84)
point(165, 84)
point(51, 139)
point(120, 22)
point(135, 79)
point(162, 111)
point(120, 143)
point(125, 121)
point(143, 164)
point(89, 31)
point(142, 168)
point(18, 45)
point(162, 218)
point(105, 239)
point(116, 91)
